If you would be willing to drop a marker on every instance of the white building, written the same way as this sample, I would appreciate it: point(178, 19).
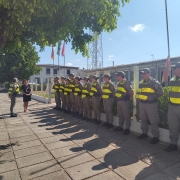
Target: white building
point(47, 71)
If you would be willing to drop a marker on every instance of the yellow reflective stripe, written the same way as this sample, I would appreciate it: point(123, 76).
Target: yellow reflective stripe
point(174, 100)
point(91, 94)
point(71, 85)
point(62, 87)
point(93, 89)
point(175, 89)
point(106, 91)
point(85, 91)
point(77, 89)
point(148, 90)
point(142, 97)
point(60, 90)
point(118, 95)
point(83, 96)
point(121, 89)
point(105, 96)
point(65, 93)
point(75, 94)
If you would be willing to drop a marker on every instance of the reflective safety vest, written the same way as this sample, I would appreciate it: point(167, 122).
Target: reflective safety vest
point(120, 91)
point(61, 87)
point(174, 91)
point(146, 92)
point(71, 85)
point(56, 87)
point(93, 89)
point(106, 92)
point(85, 91)
point(11, 89)
point(67, 90)
point(77, 90)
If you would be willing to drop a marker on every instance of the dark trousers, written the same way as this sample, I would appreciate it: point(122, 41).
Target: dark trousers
point(13, 103)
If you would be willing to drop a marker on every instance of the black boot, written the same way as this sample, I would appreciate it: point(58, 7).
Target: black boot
point(171, 147)
point(13, 115)
point(142, 136)
point(105, 124)
point(98, 122)
point(109, 126)
point(154, 140)
point(55, 107)
point(126, 132)
point(118, 129)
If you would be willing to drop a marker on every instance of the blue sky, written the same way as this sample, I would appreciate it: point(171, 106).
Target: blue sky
point(141, 33)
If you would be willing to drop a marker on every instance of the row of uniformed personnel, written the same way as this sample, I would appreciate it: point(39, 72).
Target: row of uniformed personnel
point(76, 100)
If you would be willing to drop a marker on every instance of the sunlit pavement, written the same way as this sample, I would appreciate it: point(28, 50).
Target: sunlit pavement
point(48, 144)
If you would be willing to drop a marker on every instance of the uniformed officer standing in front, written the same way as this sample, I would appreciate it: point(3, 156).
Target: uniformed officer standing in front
point(96, 96)
point(123, 95)
point(12, 93)
point(78, 99)
point(67, 91)
point(174, 109)
point(87, 112)
point(57, 93)
point(72, 98)
point(148, 93)
point(61, 90)
point(108, 93)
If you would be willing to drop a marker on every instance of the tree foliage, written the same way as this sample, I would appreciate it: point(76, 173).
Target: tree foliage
point(21, 63)
point(46, 22)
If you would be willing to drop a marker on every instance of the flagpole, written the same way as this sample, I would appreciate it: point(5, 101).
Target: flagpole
point(58, 67)
point(167, 28)
point(64, 65)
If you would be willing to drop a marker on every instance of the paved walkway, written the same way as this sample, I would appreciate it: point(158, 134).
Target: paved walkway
point(45, 144)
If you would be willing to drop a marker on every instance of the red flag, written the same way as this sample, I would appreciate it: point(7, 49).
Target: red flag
point(63, 50)
point(52, 54)
point(167, 70)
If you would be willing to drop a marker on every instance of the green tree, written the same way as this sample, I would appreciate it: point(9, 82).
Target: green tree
point(21, 63)
point(46, 22)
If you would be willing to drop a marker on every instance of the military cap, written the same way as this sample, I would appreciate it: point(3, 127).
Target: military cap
point(15, 80)
point(67, 79)
point(78, 78)
point(120, 73)
point(86, 78)
point(56, 77)
point(71, 74)
point(145, 71)
point(63, 77)
point(94, 77)
point(107, 76)
point(177, 65)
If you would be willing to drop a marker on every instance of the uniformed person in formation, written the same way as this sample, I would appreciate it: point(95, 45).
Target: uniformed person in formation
point(96, 95)
point(123, 95)
point(148, 93)
point(72, 98)
point(57, 93)
point(174, 109)
point(87, 112)
point(12, 93)
point(61, 90)
point(108, 92)
point(67, 91)
point(78, 99)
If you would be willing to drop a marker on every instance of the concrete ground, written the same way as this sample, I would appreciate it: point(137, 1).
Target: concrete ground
point(46, 144)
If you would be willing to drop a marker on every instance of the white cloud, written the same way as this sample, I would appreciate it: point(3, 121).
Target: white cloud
point(110, 57)
point(137, 27)
point(69, 64)
point(76, 60)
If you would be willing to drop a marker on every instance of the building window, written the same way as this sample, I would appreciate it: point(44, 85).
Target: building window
point(68, 71)
point(55, 71)
point(48, 71)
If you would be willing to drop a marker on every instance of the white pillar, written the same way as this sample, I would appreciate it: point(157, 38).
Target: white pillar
point(49, 89)
point(135, 86)
point(42, 87)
